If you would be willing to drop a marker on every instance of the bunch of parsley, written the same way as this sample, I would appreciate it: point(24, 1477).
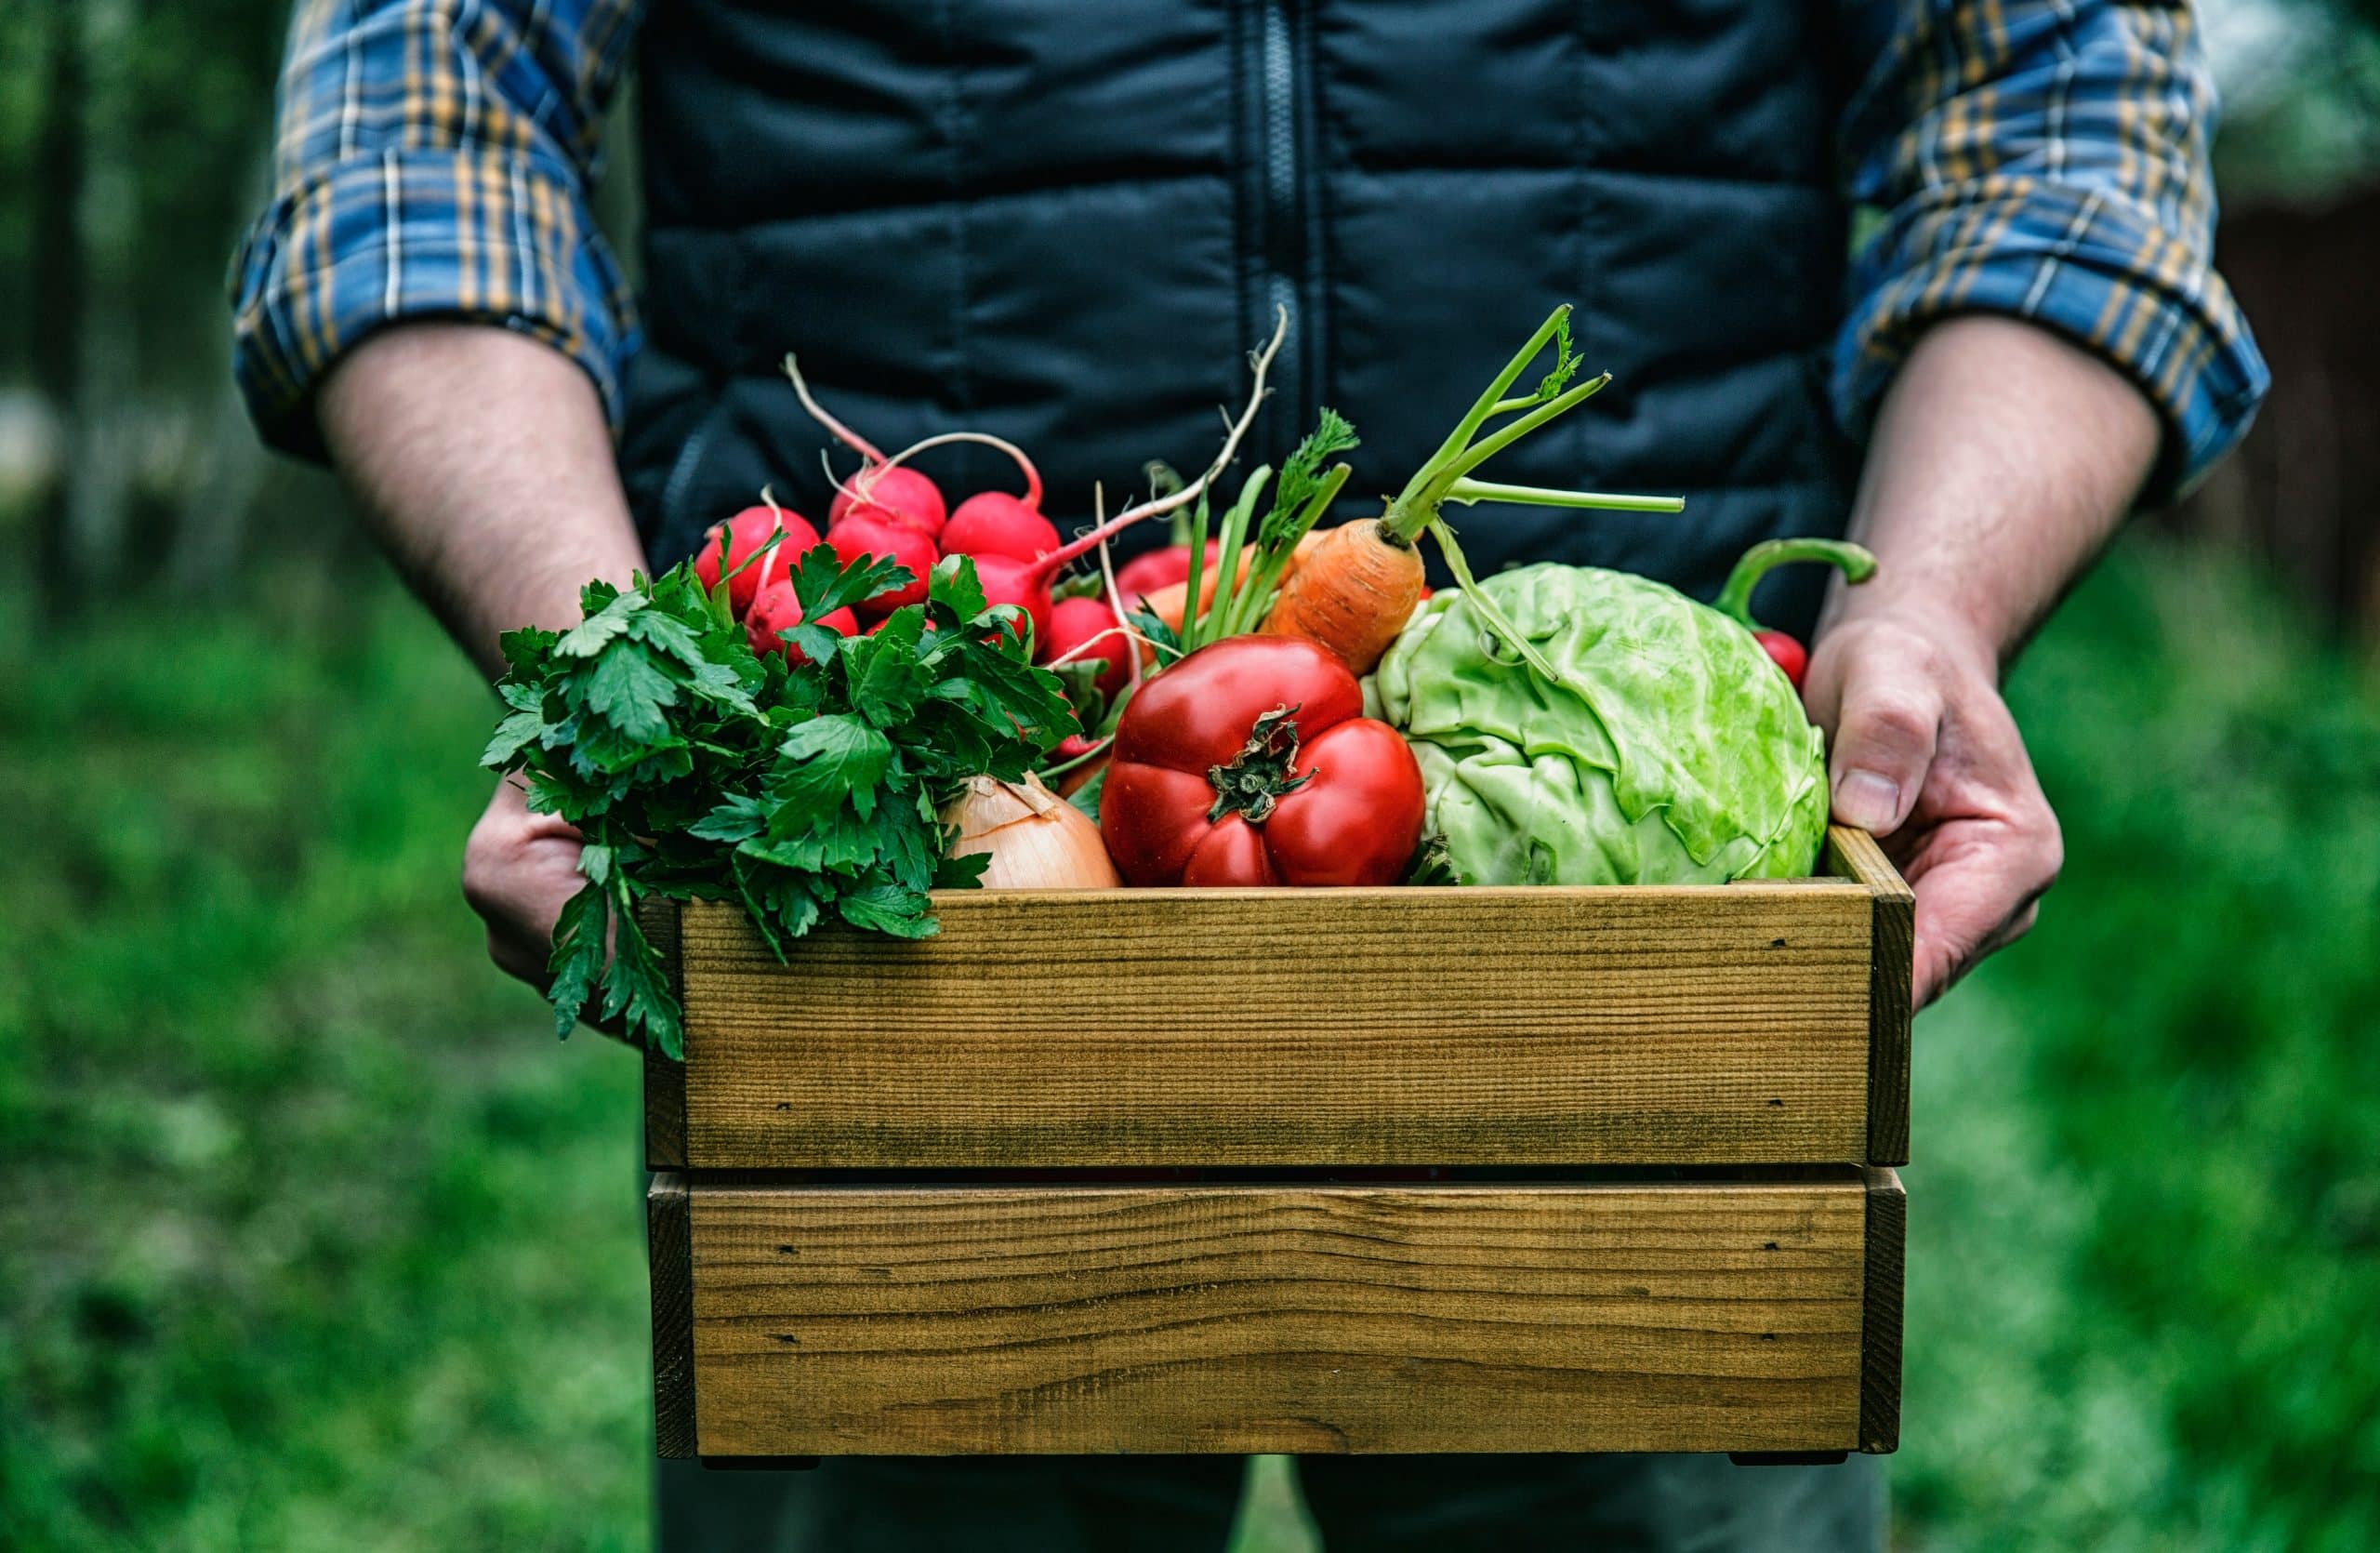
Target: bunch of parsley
point(697, 768)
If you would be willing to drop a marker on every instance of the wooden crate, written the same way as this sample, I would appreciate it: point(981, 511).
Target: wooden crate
point(938, 1197)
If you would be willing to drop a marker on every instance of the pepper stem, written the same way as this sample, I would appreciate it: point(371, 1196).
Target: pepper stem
point(1854, 562)
point(1264, 771)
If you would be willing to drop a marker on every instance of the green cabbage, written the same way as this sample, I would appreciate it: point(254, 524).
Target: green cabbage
point(1671, 751)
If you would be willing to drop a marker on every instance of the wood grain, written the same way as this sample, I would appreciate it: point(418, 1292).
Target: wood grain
point(665, 1080)
point(1854, 855)
point(1880, 1332)
point(1292, 1027)
point(1690, 1316)
point(669, 1247)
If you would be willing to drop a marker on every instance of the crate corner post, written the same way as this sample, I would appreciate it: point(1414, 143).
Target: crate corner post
point(670, 1239)
point(1879, 1334)
point(1854, 855)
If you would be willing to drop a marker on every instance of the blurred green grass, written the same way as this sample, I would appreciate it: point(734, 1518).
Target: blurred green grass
point(315, 1238)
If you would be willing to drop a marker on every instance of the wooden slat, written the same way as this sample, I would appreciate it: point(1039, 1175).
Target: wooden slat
point(1880, 1337)
point(665, 1078)
point(861, 1320)
point(1292, 1027)
point(669, 1250)
point(1854, 855)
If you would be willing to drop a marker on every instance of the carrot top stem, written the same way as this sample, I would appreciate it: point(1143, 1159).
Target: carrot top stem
point(1207, 625)
point(1480, 452)
point(1558, 324)
point(1465, 492)
point(1198, 567)
point(1446, 475)
point(1253, 599)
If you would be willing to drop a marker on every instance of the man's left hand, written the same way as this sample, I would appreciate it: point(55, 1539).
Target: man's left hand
point(1925, 755)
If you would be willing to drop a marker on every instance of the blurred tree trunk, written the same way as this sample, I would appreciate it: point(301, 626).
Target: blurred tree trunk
point(84, 347)
point(2304, 489)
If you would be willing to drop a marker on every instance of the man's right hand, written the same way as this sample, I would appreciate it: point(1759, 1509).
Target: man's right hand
point(519, 871)
point(481, 458)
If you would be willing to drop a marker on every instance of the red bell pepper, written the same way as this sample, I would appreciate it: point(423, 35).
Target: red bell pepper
point(1250, 762)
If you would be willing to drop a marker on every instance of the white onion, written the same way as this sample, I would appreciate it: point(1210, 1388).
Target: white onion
point(1037, 841)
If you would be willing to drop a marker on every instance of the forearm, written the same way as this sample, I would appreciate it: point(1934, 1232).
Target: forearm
point(2003, 460)
point(483, 462)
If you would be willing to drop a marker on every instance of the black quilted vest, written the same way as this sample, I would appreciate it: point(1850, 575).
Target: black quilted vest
point(1066, 223)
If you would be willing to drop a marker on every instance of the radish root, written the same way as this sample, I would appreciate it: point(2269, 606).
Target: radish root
point(1260, 363)
point(1032, 497)
point(840, 433)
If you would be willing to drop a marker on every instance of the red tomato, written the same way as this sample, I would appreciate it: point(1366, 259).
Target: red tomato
point(1250, 762)
point(1786, 653)
point(1157, 569)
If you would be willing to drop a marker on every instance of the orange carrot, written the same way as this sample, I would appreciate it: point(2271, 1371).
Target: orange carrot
point(1355, 593)
point(1352, 591)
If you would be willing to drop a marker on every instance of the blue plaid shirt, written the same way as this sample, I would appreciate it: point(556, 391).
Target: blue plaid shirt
point(2044, 159)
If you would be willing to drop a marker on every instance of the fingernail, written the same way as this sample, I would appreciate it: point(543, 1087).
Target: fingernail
point(1867, 799)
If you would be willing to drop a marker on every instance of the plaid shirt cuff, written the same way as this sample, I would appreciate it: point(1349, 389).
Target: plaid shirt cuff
point(2092, 268)
point(472, 234)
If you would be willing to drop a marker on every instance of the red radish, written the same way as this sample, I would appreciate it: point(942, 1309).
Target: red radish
point(993, 523)
point(1074, 748)
point(1084, 629)
point(989, 522)
point(891, 492)
point(1160, 568)
point(745, 534)
point(1023, 583)
point(862, 534)
point(882, 490)
point(1026, 584)
point(778, 609)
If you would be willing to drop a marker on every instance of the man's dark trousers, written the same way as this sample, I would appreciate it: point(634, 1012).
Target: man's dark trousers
point(1361, 1505)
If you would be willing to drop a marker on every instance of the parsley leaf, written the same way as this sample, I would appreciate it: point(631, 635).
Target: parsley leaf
point(696, 768)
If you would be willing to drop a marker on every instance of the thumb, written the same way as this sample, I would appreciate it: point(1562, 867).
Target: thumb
point(1884, 735)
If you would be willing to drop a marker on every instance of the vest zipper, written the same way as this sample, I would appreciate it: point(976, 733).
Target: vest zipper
point(1284, 249)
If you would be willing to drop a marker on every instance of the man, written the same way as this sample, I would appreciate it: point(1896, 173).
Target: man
point(1063, 222)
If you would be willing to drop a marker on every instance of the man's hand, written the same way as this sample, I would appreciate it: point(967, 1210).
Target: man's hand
point(1925, 755)
point(2003, 459)
point(519, 871)
point(482, 460)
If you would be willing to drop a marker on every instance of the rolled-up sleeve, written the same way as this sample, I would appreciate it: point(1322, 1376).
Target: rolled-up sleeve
point(2047, 160)
point(432, 160)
